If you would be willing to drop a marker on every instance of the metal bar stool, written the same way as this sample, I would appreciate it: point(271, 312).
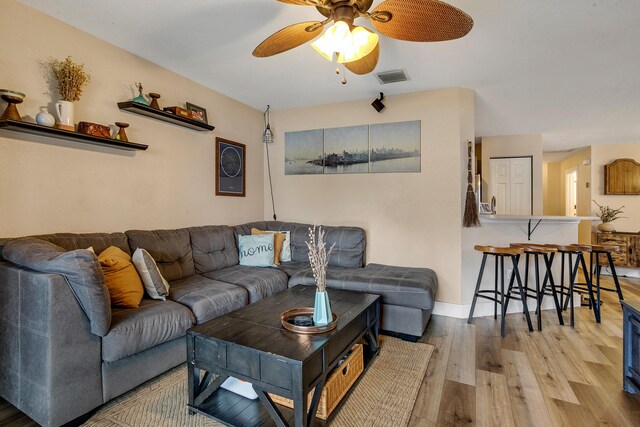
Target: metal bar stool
point(547, 253)
point(568, 252)
point(598, 250)
point(499, 255)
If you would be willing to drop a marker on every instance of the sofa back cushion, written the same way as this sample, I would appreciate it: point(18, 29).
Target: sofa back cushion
point(349, 249)
point(214, 247)
point(79, 267)
point(99, 241)
point(245, 229)
point(171, 249)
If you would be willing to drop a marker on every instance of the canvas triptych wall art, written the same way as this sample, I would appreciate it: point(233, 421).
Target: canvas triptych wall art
point(386, 147)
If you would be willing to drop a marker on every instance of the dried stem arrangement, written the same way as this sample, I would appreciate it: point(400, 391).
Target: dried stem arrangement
point(71, 78)
point(319, 256)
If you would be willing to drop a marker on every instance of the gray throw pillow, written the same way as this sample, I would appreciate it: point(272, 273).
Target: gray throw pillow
point(155, 285)
point(79, 267)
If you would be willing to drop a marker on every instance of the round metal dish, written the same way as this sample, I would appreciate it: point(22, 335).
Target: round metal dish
point(290, 314)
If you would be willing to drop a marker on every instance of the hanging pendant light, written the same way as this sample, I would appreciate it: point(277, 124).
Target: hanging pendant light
point(267, 136)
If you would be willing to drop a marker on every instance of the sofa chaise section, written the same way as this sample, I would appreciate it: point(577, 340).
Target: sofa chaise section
point(407, 293)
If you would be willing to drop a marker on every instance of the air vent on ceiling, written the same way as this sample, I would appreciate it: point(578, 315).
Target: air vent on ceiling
point(392, 76)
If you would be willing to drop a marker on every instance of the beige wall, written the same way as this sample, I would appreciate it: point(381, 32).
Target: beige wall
point(514, 146)
point(552, 204)
point(411, 219)
point(602, 155)
point(50, 186)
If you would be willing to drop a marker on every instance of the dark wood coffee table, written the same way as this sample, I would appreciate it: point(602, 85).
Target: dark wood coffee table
point(250, 344)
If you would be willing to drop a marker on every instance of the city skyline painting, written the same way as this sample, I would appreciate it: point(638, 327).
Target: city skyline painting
point(379, 148)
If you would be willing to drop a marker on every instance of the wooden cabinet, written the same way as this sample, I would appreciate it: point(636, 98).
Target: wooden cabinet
point(629, 248)
point(622, 176)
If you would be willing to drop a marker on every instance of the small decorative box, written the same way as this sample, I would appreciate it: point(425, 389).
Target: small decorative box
point(179, 111)
point(94, 129)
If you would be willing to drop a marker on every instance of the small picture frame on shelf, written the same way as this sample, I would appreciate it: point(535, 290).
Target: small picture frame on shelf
point(485, 208)
point(230, 168)
point(197, 113)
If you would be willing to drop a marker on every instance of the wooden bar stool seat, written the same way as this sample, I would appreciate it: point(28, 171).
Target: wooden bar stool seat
point(499, 254)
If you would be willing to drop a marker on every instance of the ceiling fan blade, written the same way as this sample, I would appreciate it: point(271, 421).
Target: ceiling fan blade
point(288, 38)
point(365, 65)
point(422, 20)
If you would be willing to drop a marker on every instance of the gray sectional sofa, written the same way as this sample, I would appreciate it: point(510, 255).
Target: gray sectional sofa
point(64, 351)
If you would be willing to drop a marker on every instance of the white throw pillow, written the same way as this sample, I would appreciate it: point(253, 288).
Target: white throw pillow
point(256, 250)
point(156, 286)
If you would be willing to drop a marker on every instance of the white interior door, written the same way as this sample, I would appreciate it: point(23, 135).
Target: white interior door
point(571, 208)
point(511, 185)
point(500, 185)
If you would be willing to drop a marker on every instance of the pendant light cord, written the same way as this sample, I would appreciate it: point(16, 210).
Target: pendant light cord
point(266, 125)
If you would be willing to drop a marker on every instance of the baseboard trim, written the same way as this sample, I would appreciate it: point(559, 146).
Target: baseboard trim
point(461, 311)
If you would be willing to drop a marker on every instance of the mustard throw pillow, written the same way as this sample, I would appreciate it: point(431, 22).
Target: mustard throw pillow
point(278, 241)
point(121, 277)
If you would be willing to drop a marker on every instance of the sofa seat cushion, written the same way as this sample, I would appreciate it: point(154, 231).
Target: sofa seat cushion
point(292, 267)
point(137, 329)
point(260, 282)
point(208, 298)
point(404, 286)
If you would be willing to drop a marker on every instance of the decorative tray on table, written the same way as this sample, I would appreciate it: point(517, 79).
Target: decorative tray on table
point(300, 320)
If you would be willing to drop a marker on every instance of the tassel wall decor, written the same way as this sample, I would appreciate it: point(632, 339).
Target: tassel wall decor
point(470, 205)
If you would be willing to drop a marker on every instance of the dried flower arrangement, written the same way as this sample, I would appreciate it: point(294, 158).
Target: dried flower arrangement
point(319, 256)
point(71, 78)
point(607, 214)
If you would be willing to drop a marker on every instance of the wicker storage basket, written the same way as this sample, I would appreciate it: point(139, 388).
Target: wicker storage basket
point(336, 386)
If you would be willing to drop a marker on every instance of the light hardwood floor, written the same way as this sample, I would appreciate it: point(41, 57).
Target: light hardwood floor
point(561, 376)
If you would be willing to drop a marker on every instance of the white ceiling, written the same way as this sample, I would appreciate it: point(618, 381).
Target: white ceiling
point(568, 69)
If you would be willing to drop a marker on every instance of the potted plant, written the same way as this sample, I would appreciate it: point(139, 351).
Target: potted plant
point(607, 215)
point(319, 260)
point(71, 80)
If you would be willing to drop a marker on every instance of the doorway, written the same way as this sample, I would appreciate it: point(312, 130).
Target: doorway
point(571, 193)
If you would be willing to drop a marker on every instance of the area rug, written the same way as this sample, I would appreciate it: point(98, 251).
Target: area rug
point(384, 397)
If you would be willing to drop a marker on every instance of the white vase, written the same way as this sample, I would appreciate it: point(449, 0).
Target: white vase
point(44, 118)
point(606, 227)
point(64, 111)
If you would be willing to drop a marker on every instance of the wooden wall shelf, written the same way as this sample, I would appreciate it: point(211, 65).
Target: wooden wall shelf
point(35, 129)
point(622, 176)
point(145, 110)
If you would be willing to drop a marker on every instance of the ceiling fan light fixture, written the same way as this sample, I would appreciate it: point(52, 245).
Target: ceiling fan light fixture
point(349, 45)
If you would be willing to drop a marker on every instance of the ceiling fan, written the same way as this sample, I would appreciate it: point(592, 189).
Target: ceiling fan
point(357, 47)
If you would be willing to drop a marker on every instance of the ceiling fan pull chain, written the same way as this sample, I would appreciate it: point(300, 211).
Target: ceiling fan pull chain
point(343, 72)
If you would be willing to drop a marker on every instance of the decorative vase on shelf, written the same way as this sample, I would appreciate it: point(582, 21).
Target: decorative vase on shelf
point(140, 99)
point(64, 111)
point(322, 309)
point(44, 118)
point(606, 227)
